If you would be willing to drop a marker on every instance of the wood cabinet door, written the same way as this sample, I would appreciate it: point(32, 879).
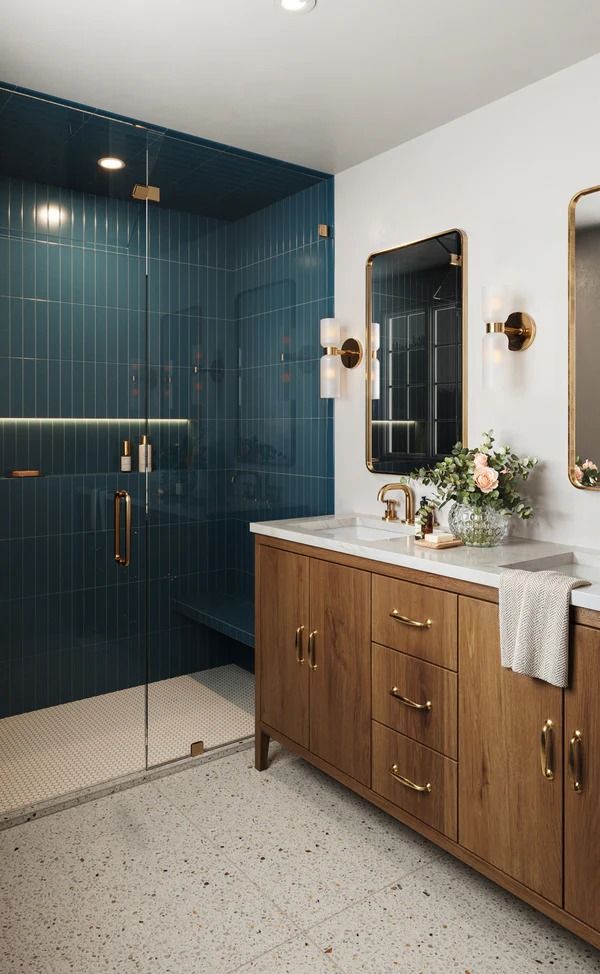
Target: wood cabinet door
point(340, 661)
point(510, 813)
point(283, 591)
point(582, 781)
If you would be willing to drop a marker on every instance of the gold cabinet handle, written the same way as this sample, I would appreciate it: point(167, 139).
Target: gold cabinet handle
point(123, 560)
point(547, 750)
point(576, 761)
point(311, 649)
point(394, 614)
point(407, 782)
point(299, 649)
point(394, 692)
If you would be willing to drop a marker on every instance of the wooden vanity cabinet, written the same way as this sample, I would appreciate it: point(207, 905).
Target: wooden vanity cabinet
point(582, 778)
point(314, 659)
point(510, 793)
point(390, 681)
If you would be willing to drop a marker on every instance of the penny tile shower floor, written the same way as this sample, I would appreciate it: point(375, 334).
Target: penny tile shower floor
point(219, 868)
point(73, 746)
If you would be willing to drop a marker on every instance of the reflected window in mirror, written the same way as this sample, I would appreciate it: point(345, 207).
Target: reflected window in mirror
point(416, 338)
point(584, 338)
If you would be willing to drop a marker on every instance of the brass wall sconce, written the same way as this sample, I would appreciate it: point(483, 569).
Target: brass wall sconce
point(349, 354)
point(505, 331)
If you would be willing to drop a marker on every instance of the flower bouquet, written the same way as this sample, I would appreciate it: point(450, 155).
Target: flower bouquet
point(482, 484)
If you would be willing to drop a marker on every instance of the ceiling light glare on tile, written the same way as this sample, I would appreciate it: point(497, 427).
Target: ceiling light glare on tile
point(112, 163)
point(297, 6)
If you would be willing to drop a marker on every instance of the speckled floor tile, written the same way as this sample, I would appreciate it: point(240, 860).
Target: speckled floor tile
point(446, 919)
point(299, 956)
point(313, 844)
point(131, 883)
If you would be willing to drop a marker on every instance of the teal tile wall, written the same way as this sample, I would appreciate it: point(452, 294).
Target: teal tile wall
point(233, 348)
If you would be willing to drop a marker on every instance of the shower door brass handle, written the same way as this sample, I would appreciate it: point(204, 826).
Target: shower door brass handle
point(311, 649)
point(576, 761)
point(547, 750)
point(299, 647)
point(123, 560)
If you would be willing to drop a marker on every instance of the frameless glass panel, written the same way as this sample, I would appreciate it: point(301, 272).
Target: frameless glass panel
point(72, 389)
point(238, 280)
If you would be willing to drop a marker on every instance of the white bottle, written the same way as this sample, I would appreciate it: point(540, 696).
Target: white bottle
point(126, 456)
point(145, 455)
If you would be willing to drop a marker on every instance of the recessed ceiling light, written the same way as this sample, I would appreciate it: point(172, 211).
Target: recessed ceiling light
point(297, 6)
point(111, 162)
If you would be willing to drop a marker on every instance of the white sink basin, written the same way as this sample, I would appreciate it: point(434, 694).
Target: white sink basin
point(576, 564)
point(363, 529)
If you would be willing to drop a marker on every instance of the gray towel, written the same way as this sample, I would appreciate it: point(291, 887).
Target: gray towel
point(534, 623)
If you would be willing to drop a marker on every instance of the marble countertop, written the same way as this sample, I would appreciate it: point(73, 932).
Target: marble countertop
point(482, 566)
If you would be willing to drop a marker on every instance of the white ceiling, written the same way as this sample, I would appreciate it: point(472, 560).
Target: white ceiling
point(327, 89)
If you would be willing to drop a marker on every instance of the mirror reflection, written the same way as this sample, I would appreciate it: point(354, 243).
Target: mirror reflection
point(415, 410)
point(584, 286)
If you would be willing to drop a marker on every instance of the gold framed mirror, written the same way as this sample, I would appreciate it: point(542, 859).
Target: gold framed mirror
point(584, 338)
point(416, 352)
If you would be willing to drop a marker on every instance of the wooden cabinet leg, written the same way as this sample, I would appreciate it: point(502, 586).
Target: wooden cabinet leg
point(261, 744)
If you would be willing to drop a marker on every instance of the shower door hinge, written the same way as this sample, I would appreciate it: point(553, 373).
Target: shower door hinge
point(455, 260)
point(150, 193)
point(196, 748)
point(324, 230)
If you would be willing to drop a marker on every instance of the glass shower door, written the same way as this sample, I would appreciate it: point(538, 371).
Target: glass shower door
point(72, 389)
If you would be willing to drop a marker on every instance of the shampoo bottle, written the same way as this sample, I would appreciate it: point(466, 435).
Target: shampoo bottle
point(126, 456)
point(145, 455)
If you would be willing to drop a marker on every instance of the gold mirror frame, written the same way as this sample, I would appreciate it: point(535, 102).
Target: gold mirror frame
point(572, 449)
point(464, 329)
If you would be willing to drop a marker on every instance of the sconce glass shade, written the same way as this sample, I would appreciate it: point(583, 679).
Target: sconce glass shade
point(494, 353)
point(495, 303)
point(330, 332)
point(375, 378)
point(330, 367)
point(375, 336)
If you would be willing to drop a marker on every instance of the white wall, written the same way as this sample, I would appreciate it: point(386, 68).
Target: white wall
point(504, 174)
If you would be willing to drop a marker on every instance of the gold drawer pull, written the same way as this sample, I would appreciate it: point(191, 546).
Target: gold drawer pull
point(311, 649)
point(394, 614)
point(576, 761)
point(299, 648)
point(407, 782)
point(394, 692)
point(547, 749)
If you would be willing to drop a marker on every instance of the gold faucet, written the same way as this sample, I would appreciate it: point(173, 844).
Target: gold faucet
point(391, 513)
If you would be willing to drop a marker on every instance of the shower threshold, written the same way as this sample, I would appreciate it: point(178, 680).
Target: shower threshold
point(65, 754)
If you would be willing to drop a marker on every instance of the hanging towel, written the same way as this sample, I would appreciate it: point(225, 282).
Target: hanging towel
point(534, 623)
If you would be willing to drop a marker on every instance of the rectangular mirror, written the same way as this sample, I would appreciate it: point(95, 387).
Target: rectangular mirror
point(416, 353)
point(584, 338)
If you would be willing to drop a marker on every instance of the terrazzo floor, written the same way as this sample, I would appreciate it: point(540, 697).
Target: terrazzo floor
point(60, 750)
point(219, 869)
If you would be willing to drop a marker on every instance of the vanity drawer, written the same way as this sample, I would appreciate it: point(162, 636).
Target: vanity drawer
point(416, 620)
point(395, 755)
point(403, 687)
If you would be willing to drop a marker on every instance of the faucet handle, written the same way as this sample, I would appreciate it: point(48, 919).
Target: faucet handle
point(391, 512)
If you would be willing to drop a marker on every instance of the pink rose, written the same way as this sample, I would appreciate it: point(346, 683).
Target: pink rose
point(578, 474)
point(486, 479)
point(480, 460)
point(588, 465)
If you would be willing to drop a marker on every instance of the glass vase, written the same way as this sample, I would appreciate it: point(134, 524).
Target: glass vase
point(479, 527)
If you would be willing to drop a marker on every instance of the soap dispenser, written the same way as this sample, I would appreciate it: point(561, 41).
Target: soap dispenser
point(145, 454)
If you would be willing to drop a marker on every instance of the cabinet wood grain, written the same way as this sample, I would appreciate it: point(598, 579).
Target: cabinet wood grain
point(422, 766)
point(436, 642)
point(340, 686)
point(582, 808)
point(283, 607)
point(420, 683)
point(510, 814)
